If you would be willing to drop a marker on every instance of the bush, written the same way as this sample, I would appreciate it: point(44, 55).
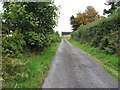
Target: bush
point(12, 45)
point(26, 27)
point(13, 71)
point(103, 33)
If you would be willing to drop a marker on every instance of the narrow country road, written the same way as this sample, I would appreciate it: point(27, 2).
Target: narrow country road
point(73, 69)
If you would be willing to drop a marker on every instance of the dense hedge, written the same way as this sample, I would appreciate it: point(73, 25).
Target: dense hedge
point(27, 27)
point(103, 33)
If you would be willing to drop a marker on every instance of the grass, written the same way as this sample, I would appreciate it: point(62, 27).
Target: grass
point(109, 62)
point(38, 66)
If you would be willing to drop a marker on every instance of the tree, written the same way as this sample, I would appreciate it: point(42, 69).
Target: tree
point(115, 5)
point(27, 27)
point(34, 22)
point(73, 22)
point(88, 16)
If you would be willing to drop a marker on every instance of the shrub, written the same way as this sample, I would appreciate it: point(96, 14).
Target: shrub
point(26, 27)
point(12, 45)
point(13, 70)
point(103, 33)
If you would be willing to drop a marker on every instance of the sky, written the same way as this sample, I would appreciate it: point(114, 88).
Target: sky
point(72, 7)
point(0, 6)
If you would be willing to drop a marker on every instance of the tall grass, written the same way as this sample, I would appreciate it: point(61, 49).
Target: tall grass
point(38, 66)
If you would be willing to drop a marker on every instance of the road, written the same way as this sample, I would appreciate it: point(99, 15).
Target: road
point(71, 68)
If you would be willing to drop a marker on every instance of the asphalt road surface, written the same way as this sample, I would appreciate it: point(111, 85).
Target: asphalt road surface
point(71, 68)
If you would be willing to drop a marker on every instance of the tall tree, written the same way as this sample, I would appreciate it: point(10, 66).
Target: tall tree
point(33, 20)
point(88, 16)
point(115, 5)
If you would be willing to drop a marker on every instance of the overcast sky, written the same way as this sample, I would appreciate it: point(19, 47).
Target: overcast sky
point(0, 6)
point(71, 7)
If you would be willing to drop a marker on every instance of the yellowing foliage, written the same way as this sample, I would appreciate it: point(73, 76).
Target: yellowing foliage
point(88, 16)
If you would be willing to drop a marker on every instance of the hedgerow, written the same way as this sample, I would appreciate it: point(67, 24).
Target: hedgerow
point(26, 27)
point(103, 33)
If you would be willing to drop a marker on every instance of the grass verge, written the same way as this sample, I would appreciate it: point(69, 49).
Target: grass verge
point(109, 62)
point(38, 66)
